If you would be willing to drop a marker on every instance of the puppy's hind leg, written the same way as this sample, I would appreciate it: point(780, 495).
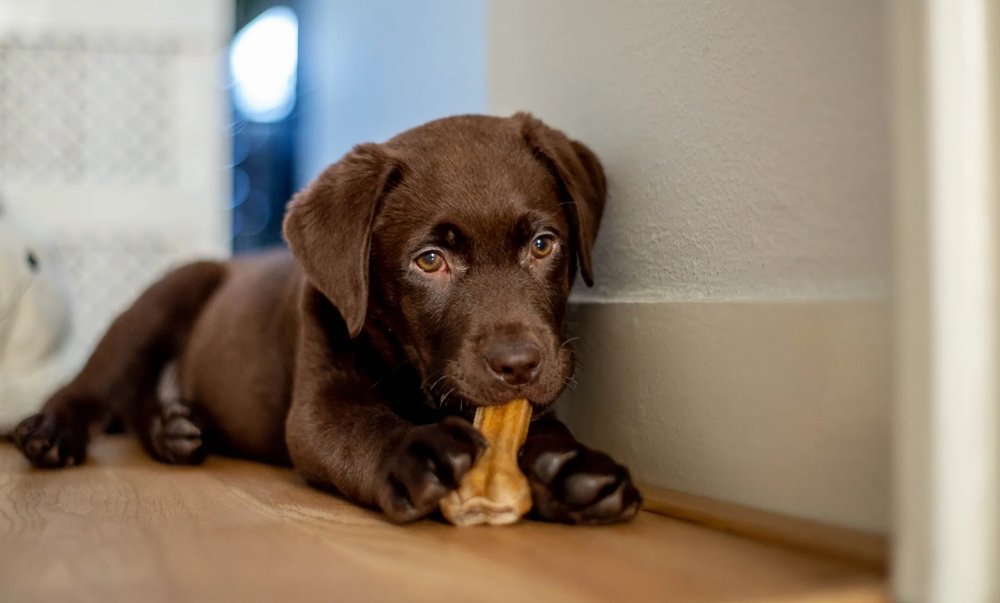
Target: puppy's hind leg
point(174, 430)
point(121, 376)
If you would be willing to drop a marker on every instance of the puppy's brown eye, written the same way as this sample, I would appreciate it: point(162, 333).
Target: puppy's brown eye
point(430, 261)
point(542, 246)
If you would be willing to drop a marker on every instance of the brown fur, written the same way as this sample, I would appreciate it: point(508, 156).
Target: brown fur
point(350, 361)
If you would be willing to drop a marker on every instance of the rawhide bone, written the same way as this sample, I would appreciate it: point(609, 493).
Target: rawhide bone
point(494, 491)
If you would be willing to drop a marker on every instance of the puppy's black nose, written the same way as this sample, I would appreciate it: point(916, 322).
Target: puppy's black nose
point(514, 363)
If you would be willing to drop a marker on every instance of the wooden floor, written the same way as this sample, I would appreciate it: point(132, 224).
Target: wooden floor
point(123, 528)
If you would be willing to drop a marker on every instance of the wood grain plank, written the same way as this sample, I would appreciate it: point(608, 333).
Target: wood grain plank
point(124, 528)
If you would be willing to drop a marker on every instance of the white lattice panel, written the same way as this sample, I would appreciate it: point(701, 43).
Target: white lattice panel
point(113, 142)
point(86, 108)
point(105, 272)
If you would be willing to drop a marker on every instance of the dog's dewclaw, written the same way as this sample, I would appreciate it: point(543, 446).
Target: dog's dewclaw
point(494, 491)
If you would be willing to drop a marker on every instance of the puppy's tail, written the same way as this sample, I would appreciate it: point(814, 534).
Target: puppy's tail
point(122, 373)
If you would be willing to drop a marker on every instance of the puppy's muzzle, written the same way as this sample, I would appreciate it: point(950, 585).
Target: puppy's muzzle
point(514, 363)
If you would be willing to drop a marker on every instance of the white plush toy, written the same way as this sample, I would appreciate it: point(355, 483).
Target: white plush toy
point(34, 323)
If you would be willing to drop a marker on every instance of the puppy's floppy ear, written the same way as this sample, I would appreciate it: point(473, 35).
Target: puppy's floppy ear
point(328, 226)
point(580, 179)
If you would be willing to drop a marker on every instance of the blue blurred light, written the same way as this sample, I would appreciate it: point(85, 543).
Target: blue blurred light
point(263, 60)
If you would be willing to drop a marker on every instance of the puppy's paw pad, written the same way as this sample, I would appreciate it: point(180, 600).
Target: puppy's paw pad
point(580, 485)
point(176, 436)
point(50, 441)
point(428, 464)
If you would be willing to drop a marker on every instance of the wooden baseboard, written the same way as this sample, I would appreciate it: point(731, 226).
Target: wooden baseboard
point(862, 548)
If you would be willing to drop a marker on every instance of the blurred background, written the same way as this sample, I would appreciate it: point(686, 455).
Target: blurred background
point(796, 298)
point(312, 78)
point(135, 136)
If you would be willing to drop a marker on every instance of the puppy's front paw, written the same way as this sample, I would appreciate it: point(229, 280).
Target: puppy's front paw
point(51, 441)
point(575, 484)
point(428, 464)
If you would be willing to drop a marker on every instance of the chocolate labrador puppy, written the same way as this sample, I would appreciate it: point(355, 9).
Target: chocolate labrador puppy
point(428, 276)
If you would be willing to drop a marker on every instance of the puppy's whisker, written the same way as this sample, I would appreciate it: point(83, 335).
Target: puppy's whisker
point(568, 341)
point(444, 398)
point(436, 381)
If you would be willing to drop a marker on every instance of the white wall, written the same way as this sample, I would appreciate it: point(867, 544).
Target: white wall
point(747, 147)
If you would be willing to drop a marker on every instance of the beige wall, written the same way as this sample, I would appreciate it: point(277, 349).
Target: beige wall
point(743, 265)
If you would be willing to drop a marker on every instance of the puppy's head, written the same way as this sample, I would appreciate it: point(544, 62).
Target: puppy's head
point(458, 242)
